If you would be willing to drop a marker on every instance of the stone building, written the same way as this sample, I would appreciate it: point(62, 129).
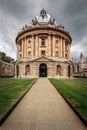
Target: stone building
point(79, 69)
point(6, 69)
point(43, 49)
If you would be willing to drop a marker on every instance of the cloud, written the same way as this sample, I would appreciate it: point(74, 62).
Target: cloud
point(14, 14)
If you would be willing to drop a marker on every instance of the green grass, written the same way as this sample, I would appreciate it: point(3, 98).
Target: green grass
point(11, 91)
point(75, 92)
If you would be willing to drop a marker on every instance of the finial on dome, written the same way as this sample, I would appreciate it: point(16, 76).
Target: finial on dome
point(43, 13)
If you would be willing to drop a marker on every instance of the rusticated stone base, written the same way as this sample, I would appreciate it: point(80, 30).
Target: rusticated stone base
point(55, 69)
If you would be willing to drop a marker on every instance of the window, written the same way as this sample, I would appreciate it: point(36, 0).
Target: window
point(57, 54)
point(20, 46)
point(66, 47)
point(66, 56)
point(29, 43)
point(20, 55)
point(56, 43)
point(27, 69)
point(43, 53)
point(43, 42)
point(29, 53)
point(58, 70)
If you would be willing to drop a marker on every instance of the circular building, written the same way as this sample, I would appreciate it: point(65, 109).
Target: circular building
point(43, 49)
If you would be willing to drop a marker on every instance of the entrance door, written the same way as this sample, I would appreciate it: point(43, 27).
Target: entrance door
point(43, 70)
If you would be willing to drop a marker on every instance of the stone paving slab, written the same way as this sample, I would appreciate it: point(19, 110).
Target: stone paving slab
point(43, 108)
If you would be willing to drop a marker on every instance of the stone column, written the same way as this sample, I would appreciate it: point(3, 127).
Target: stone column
point(53, 46)
point(36, 46)
point(32, 46)
point(25, 48)
point(61, 48)
point(69, 50)
point(39, 46)
point(64, 47)
point(17, 51)
point(49, 42)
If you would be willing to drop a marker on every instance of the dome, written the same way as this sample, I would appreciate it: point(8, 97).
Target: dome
point(44, 18)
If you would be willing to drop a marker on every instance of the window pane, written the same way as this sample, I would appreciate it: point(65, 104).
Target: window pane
point(43, 42)
point(42, 52)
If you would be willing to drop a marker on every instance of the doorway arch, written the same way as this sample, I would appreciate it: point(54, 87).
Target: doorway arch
point(27, 69)
point(43, 70)
point(58, 70)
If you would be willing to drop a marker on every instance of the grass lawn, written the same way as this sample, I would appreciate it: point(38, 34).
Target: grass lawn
point(75, 92)
point(11, 90)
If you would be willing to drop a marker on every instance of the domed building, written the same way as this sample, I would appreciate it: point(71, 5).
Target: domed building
point(43, 49)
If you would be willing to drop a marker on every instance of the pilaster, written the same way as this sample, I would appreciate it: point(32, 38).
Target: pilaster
point(61, 48)
point(17, 51)
point(36, 46)
point(25, 47)
point(32, 46)
point(64, 47)
point(53, 46)
point(49, 42)
point(39, 46)
point(69, 50)
point(23, 40)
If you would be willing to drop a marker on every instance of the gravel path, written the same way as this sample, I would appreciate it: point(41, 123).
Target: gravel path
point(43, 108)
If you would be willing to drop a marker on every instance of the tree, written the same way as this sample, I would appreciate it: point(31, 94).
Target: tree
point(6, 58)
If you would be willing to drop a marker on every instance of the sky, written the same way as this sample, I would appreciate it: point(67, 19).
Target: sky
point(72, 14)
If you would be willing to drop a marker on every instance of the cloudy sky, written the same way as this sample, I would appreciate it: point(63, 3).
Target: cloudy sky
point(14, 14)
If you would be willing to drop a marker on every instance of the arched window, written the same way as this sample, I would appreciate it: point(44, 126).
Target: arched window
point(20, 56)
point(42, 53)
point(56, 43)
point(29, 53)
point(66, 56)
point(58, 70)
point(27, 70)
point(57, 54)
point(29, 44)
point(20, 46)
point(43, 42)
point(69, 71)
point(66, 47)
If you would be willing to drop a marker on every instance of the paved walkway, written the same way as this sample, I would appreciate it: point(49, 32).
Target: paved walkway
point(42, 108)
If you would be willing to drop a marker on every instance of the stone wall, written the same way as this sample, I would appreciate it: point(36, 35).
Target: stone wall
point(51, 69)
point(56, 44)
